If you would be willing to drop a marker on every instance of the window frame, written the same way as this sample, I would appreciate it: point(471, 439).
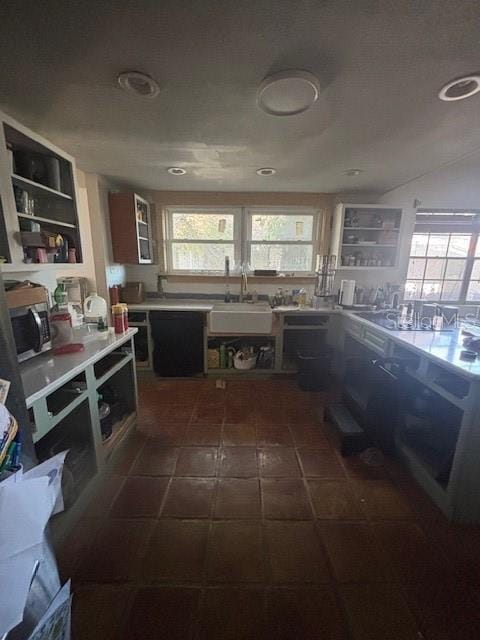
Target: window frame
point(242, 233)
point(170, 241)
point(451, 228)
point(283, 211)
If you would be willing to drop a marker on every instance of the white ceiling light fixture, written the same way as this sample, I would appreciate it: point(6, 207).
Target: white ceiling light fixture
point(352, 172)
point(139, 84)
point(288, 93)
point(177, 171)
point(266, 171)
point(459, 89)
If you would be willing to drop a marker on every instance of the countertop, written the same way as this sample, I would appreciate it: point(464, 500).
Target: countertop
point(205, 306)
point(45, 373)
point(443, 347)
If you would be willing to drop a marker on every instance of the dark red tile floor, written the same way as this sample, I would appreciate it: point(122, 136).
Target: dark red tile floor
point(229, 514)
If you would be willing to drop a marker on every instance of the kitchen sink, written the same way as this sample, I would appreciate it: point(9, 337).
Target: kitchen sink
point(240, 318)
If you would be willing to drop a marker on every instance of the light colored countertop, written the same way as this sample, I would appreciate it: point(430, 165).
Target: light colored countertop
point(205, 306)
point(444, 347)
point(162, 304)
point(45, 373)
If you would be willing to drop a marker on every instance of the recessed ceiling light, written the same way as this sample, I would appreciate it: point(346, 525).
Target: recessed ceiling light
point(138, 83)
point(460, 88)
point(352, 172)
point(177, 171)
point(266, 171)
point(288, 92)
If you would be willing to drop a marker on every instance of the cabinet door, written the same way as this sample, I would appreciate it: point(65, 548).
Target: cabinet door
point(144, 230)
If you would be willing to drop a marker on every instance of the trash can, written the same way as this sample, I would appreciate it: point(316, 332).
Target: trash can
point(313, 370)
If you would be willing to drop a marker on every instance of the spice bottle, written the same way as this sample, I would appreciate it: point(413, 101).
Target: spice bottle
point(117, 316)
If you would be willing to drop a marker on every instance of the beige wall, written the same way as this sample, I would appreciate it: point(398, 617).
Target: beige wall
point(107, 272)
point(163, 199)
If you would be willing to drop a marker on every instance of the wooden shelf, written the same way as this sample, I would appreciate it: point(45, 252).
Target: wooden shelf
point(39, 187)
point(57, 223)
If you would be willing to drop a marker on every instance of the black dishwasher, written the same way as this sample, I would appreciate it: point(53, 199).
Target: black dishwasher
point(177, 342)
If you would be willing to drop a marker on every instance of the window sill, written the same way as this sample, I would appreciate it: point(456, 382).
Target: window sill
point(194, 277)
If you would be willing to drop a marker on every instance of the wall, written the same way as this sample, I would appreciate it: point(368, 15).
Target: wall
point(107, 272)
point(163, 199)
point(456, 186)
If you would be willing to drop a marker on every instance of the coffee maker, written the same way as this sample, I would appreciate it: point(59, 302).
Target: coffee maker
point(76, 289)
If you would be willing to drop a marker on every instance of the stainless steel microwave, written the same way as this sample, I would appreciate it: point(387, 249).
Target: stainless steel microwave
point(29, 312)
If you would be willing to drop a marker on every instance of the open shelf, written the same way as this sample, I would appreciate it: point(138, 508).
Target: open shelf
point(119, 431)
point(50, 221)
point(36, 186)
point(110, 365)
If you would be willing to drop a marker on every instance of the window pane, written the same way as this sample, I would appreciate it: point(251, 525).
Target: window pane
point(451, 290)
point(413, 290)
point(476, 270)
point(286, 257)
point(281, 227)
point(419, 244)
point(416, 268)
point(201, 257)
point(477, 248)
point(473, 294)
point(435, 269)
point(438, 244)
point(202, 226)
point(455, 269)
point(458, 247)
point(431, 290)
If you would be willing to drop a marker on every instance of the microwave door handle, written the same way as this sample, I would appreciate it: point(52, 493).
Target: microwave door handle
point(37, 322)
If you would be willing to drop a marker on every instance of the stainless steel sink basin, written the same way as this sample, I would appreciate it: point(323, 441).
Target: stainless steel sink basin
point(240, 318)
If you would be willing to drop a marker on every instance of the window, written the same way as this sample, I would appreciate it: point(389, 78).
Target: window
point(444, 260)
point(281, 240)
point(198, 240)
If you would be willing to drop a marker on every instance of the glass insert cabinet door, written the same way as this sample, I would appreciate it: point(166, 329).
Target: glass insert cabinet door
point(144, 230)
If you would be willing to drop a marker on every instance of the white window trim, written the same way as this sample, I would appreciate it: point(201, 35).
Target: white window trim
point(242, 233)
point(284, 211)
point(169, 241)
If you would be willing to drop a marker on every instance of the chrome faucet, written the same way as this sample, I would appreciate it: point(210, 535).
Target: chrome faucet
point(243, 283)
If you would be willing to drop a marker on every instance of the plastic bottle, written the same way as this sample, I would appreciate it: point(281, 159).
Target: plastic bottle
point(223, 356)
point(60, 296)
point(95, 307)
point(228, 297)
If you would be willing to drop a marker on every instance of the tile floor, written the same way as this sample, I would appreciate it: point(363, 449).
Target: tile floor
point(229, 514)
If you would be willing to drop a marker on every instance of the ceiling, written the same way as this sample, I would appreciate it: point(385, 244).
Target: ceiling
point(380, 65)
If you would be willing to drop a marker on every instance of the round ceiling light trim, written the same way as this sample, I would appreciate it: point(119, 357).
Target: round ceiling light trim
point(460, 88)
point(266, 171)
point(288, 93)
point(177, 171)
point(352, 172)
point(138, 83)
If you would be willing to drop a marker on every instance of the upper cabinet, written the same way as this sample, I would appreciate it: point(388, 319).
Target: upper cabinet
point(366, 236)
point(38, 217)
point(131, 229)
